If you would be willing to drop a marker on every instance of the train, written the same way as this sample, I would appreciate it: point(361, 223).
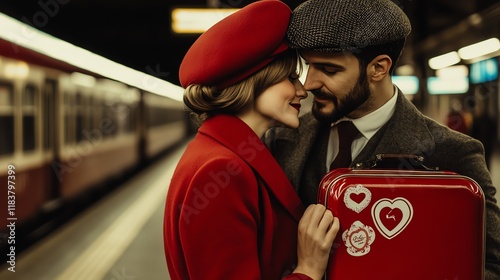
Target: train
point(70, 129)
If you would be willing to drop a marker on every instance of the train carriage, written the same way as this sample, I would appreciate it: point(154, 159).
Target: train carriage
point(25, 143)
point(68, 130)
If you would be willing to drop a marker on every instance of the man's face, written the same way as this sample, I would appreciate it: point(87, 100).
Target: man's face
point(339, 87)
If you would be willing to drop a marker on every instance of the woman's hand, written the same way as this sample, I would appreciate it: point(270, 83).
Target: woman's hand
point(317, 230)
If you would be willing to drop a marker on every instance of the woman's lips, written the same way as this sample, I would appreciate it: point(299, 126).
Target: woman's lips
point(296, 106)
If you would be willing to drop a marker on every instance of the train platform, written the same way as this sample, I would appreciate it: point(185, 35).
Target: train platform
point(117, 238)
point(120, 236)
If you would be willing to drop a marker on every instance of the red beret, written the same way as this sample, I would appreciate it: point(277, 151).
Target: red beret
point(237, 46)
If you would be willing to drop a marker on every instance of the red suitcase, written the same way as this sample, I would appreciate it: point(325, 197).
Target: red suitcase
point(404, 224)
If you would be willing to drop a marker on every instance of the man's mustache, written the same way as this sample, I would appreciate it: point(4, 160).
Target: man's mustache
point(324, 95)
point(320, 94)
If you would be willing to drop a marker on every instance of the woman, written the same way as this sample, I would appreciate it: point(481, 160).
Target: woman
point(231, 213)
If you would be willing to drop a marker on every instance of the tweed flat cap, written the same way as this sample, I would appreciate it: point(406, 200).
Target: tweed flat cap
point(346, 25)
point(237, 46)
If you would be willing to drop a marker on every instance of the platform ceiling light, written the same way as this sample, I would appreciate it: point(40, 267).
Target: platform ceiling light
point(191, 20)
point(407, 84)
point(479, 49)
point(405, 70)
point(484, 71)
point(436, 85)
point(444, 60)
point(456, 71)
point(31, 38)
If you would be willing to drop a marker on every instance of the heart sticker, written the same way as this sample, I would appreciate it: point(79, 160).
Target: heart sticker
point(357, 198)
point(392, 216)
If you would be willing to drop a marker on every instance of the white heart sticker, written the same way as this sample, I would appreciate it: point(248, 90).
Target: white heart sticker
point(357, 198)
point(392, 216)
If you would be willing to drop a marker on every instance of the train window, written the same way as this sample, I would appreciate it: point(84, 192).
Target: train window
point(131, 100)
point(133, 116)
point(123, 117)
point(106, 116)
point(109, 119)
point(80, 118)
point(158, 117)
point(6, 118)
point(29, 113)
point(69, 118)
point(87, 112)
point(6, 95)
point(48, 113)
point(7, 132)
point(90, 113)
point(29, 96)
point(96, 113)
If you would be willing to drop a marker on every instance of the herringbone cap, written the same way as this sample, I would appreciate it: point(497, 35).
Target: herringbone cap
point(346, 25)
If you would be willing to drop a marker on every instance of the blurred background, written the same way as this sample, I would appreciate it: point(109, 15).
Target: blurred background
point(92, 123)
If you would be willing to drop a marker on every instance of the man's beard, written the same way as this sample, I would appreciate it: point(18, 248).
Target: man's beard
point(355, 98)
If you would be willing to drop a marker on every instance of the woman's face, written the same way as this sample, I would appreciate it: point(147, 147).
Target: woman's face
point(281, 102)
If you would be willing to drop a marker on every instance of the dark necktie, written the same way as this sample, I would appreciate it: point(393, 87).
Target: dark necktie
point(347, 132)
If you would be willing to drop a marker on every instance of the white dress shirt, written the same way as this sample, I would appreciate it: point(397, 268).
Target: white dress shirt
point(367, 125)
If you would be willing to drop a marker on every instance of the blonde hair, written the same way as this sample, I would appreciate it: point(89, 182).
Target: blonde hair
point(206, 101)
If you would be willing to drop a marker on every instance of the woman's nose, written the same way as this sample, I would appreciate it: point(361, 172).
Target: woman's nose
point(300, 91)
point(311, 82)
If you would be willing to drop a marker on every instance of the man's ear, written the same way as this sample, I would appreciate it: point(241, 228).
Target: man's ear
point(380, 67)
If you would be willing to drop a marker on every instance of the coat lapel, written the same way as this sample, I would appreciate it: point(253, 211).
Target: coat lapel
point(293, 146)
point(405, 133)
point(234, 134)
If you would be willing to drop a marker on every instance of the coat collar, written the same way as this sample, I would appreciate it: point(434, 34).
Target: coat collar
point(234, 134)
point(292, 146)
point(405, 133)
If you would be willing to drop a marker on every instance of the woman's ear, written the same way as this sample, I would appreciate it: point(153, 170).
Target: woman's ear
point(380, 67)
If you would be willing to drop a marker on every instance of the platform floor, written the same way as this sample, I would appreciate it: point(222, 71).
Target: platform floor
point(119, 237)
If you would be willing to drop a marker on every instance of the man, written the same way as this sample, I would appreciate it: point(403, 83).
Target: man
point(351, 48)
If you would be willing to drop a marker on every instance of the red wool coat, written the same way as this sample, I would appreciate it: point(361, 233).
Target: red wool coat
point(231, 212)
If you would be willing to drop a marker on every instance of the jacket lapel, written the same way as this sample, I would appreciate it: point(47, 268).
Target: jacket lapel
point(405, 133)
point(293, 147)
point(234, 134)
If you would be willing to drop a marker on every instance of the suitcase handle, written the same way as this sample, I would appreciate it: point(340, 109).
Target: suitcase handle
point(396, 161)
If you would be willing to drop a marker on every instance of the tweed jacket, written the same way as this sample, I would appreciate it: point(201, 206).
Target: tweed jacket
point(301, 153)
